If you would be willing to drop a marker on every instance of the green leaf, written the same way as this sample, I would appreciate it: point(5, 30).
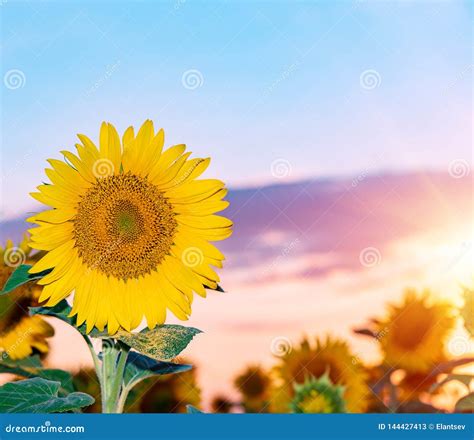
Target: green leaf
point(193, 410)
point(29, 362)
point(39, 396)
point(31, 367)
point(21, 276)
point(62, 311)
point(140, 367)
point(163, 343)
point(466, 403)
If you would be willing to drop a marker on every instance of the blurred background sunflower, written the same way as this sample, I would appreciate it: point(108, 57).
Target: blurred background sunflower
point(318, 396)
point(20, 334)
point(330, 356)
point(413, 335)
point(253, 385)
point(222, 404)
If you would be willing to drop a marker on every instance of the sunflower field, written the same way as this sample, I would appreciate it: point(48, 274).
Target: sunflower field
point(125, 241)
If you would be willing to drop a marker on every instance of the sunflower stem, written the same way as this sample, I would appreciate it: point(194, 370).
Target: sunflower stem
point(95, 358)
point(122, 399)
point(118, 377)
point(114, 359)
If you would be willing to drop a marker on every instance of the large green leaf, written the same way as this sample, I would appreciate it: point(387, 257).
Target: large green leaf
point(140, 367)
point(21, 276)
point(163, 343)
point(39, 396)
point(31, 367)
point(465, 404)
point(62, 311)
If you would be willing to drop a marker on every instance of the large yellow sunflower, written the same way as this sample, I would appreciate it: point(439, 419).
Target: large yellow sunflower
point(20, 334)
point(129, 229)
point(331, 356)
point(413, 335)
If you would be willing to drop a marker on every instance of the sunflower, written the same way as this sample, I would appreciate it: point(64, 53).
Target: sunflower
point(20, 334)
point(413, 335)
point(318, 396)
point(331, 356)
point(129, 230)
point(165, 394)
point(254, 386)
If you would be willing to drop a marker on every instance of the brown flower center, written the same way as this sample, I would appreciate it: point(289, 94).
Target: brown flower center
point(124, 226)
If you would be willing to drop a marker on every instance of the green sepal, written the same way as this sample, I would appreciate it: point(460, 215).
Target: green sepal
point(323, 387)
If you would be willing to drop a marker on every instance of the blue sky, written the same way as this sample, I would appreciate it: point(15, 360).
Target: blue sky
point(276, 81)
